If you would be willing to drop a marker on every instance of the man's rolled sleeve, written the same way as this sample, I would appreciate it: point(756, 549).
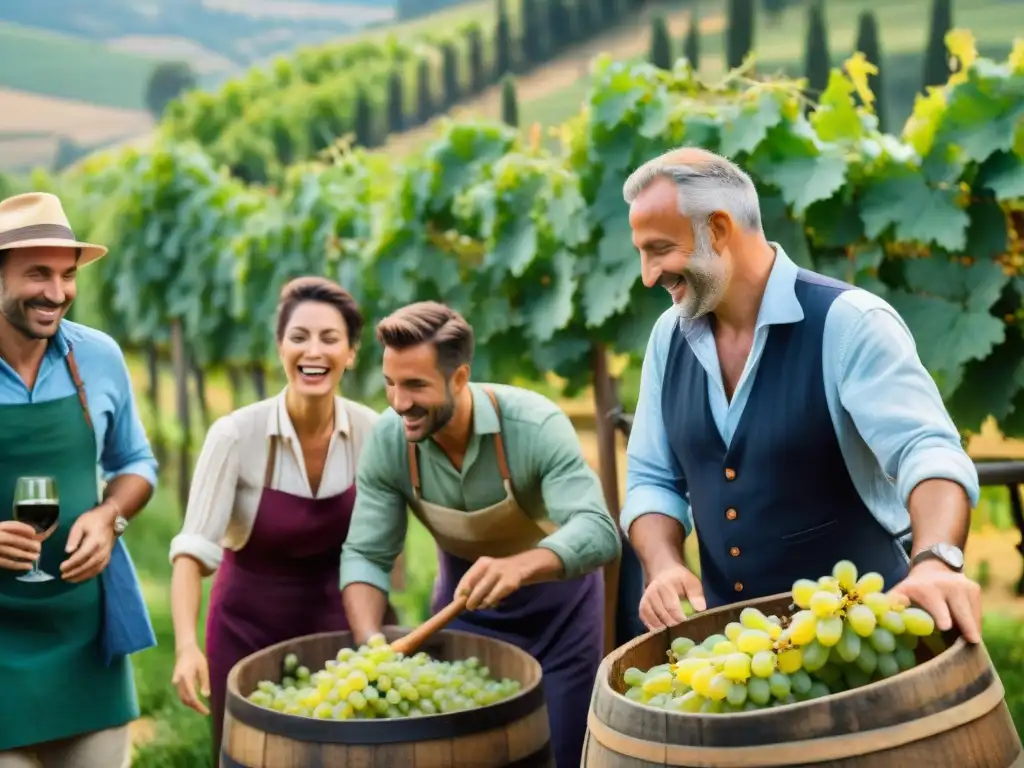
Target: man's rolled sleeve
point(896, 405)
point(587, 537)
point(380, 518)
point(654, 479)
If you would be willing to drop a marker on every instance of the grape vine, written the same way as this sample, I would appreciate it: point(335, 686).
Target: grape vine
point(534, 245)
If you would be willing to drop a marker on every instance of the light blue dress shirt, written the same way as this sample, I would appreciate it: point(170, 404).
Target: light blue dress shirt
point(122, 448)
point(121, 443)
point(892, 426)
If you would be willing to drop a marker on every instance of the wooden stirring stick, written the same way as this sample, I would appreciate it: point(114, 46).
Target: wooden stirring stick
point(409, 643)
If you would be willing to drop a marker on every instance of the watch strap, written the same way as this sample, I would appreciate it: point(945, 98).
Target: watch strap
point(933, 553)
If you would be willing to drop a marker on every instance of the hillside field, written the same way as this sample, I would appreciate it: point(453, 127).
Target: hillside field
point(779, 46)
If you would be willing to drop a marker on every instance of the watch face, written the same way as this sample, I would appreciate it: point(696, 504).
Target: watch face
point(951, 555)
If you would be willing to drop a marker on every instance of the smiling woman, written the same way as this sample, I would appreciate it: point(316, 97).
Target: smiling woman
point(271, 502)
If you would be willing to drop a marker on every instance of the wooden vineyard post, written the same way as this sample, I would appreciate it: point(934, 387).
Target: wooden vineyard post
point(179, 358)
point(605, 401)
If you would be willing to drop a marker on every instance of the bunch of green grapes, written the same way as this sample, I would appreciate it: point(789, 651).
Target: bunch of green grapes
point(844, 632)
point(376, 682)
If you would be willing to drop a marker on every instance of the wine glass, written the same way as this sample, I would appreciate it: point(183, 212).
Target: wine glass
point(36, 503)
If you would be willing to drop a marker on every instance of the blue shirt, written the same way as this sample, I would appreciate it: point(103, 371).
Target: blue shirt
point(121, 444)
point(892, 426)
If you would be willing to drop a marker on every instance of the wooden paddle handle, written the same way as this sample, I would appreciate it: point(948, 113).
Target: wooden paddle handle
point(409, 643)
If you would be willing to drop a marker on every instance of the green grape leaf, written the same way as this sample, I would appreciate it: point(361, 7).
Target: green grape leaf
point(788, 232)
point(747, 126)
point(804, 179)
point(990, 385)
point(552, 309)
point(987, 235)
point(856, 268)
point(615, 95)
point(976, 287)
point(836, 117)
point(834, 223)
point(918, 212)
point(607, 284)
point(947, 336)
point(517, 250)
point(1003, 173)
point(981, 115)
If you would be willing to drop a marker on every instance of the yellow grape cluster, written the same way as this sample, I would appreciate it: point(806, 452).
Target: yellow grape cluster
point(374, 681)
point(845, 632)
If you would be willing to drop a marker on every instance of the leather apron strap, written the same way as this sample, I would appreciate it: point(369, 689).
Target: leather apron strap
point(79, 384)
point(499, 449)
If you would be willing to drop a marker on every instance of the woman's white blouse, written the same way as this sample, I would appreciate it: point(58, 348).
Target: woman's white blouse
point(228, 478)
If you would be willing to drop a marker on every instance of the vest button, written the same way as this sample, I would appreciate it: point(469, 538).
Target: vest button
point(738, 586)
point(730, 474)
point(730, 514)
point(735, 551)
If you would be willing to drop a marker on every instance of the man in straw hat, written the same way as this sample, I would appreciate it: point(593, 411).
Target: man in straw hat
point(66, 408)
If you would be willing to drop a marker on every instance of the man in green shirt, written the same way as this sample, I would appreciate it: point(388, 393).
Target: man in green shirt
point(496, 474)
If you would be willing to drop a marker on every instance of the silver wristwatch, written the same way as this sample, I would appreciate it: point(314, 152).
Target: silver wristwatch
point(949, 555)
point(120, 525)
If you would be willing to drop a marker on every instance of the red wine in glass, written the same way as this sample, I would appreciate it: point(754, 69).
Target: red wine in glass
point(36, 504)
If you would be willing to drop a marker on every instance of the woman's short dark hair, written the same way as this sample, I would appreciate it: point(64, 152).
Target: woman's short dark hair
point(323, 291)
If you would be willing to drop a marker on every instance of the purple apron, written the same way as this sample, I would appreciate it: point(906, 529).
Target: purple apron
point(561, 623)
point(283, 583)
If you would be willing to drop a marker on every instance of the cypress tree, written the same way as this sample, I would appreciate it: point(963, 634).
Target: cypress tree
point(363, 120)
point(531, 43)
point(502, 43)
point(424, 99)
point(450, 74)
point(559, 25)
point(475, 55)
point(816, 58)
point(509, 103)
point(868, 44)
point(739, 38)
point(936, 57)
point(691, 45)
point(396, 101)
point(661, 44)
point(773, 10)
point(610, 13)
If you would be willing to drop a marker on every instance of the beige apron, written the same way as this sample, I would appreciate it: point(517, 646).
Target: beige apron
point(500, 530)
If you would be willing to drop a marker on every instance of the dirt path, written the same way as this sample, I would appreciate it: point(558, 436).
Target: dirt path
point(625, 41)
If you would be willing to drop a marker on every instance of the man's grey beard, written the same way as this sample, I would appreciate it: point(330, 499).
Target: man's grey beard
point(704, 276)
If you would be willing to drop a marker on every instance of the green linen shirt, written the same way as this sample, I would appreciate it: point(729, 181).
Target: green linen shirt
point(550, 478)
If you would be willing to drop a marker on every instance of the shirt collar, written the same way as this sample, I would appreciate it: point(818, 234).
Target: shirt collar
point(485, 418)
point(779, 304)
point(280, 424)
point(59, 346)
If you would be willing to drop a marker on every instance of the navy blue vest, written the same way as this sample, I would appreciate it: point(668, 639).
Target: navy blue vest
point(778, 504)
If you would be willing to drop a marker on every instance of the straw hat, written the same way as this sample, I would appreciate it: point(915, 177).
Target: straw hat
point(37, 219)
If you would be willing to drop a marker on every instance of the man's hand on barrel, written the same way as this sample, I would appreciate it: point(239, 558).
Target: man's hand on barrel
point(947, 595)
point(661, 605)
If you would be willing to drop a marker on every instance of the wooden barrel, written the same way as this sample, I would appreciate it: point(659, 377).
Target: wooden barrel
point(510, 733)
point(947, 711)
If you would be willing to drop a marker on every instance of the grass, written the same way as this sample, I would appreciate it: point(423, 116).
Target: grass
point(71, 68)
point(780, 46)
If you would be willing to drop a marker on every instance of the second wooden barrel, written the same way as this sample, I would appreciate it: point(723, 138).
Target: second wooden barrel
point(513, 733)
point(946, 712)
